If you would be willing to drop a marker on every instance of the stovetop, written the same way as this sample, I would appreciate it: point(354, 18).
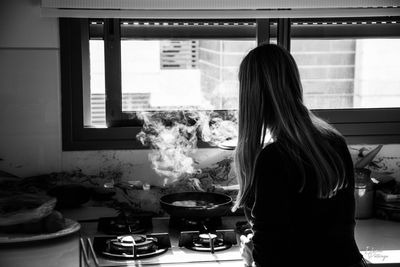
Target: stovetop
point(176, 254)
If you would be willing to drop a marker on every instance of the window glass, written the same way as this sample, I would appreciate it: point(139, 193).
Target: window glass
point(181, 74)
point(97, 84)
point(349, 73)
point(198, 74)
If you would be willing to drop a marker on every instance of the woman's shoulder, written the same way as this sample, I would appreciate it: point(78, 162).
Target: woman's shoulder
point(338, 142)
point(272, 162)
point(270, 148)
point(271, 153)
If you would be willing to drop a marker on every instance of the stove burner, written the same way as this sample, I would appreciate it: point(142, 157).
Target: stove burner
point(207, 242)
point(132, 246)
point(124, 225)
point(207, 237)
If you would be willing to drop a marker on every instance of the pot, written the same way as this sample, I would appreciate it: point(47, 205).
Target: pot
point(196, 205)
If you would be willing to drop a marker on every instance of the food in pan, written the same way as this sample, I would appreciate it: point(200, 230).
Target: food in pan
point(192, 203)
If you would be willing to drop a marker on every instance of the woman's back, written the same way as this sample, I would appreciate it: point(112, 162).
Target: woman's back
point(292, 227)
point(300, 188)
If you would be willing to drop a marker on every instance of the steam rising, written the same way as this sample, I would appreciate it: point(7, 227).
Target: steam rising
point(173, 137)
point(217, 130)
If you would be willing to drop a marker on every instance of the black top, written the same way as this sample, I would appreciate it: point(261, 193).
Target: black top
point(298, 229)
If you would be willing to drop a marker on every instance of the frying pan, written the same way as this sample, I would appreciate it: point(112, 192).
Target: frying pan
point(208, 204)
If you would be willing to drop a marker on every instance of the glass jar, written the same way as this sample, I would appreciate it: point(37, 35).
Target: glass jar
point(364, 193)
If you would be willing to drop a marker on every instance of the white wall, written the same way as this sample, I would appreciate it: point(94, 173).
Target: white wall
point(30, 103)
point(30, 107)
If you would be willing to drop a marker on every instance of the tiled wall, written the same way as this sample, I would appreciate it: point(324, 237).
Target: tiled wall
point(134, 164)
point(129, 166)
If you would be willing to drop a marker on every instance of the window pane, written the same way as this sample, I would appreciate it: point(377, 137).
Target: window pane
point(349, 73)
point(97, 84)
point(181, 74)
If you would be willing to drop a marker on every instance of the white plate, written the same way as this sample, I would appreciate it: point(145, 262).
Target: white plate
point(228, 145)
point(71, 226)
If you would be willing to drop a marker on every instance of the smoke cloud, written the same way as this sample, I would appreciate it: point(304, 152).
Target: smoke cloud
point(173, 138)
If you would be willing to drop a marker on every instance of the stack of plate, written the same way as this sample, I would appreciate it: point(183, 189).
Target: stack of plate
point(387, 206)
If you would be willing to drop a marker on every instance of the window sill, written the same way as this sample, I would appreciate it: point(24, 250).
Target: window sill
point(125, 137)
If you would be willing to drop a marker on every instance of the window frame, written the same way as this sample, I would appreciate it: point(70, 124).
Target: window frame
point(115, 116)
point(373, 125)
point(358, 125)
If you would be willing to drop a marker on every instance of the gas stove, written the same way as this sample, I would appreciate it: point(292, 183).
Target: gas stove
point(164, 241)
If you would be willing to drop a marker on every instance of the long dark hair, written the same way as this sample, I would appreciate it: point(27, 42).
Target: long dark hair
point(271, 102)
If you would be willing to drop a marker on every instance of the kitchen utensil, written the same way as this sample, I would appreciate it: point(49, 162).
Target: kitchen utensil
point(196, 204)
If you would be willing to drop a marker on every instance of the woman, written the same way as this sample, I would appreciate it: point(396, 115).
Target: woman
point(298, 190)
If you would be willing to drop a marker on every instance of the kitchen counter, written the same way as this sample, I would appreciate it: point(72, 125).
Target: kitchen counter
point(378, 240)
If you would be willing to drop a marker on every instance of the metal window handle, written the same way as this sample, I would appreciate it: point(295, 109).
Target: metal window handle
point(111, 27)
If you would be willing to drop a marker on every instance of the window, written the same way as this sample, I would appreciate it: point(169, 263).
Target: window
point(112, 69)
point(348, 63)
point(349, 73)
point(132, 66)
point(170, 74)
point(348, 70)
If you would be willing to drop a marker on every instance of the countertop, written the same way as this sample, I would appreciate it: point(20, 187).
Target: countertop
point(378, 240)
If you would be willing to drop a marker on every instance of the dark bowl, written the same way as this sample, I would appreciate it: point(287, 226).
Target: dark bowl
point(196, 204)
point(70, 195)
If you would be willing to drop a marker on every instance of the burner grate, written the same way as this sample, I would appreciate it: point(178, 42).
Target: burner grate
point(208, 242)
point(132, 246)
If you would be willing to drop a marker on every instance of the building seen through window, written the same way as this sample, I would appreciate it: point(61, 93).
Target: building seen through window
point(349, 73)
